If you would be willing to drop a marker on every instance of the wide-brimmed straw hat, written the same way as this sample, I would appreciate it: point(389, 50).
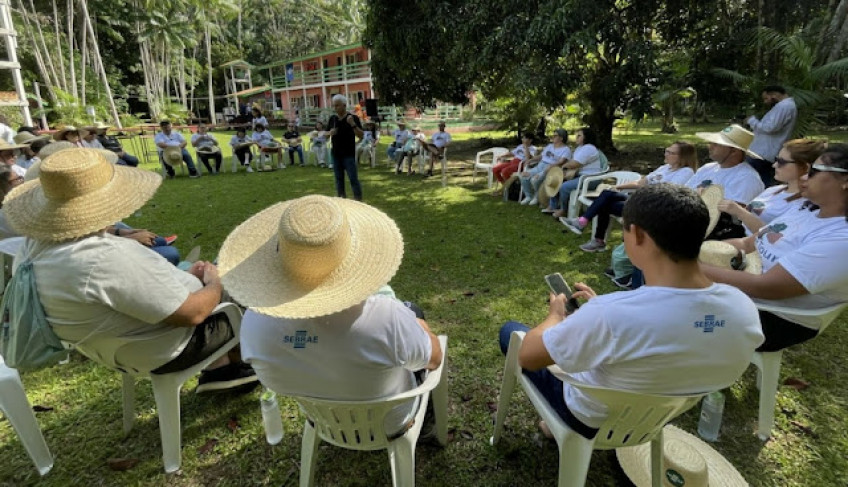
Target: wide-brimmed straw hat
point(722, 254)
point(712, 195)
point(207, 149)
point(598, 190)
point(731, 136)
point(550, 186)
point(27, 138)
point(172, 155)
point(687, 462)
point(60, 134)
point(308, 257)
point(78, 192)
point(7, 146)
point(98, 126)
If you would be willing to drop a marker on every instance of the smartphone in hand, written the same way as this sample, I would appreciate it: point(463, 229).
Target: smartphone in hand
point(559, 286)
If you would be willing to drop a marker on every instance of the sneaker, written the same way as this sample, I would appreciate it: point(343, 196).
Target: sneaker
point(572, 224)
point(624, 282)
point(594, 245)
point(524, 201)
point(228, 377)
point(249, 169)
point(170, 239)
point(194, 176)
point(534, 201)
point(548, 210)
point(609, 272)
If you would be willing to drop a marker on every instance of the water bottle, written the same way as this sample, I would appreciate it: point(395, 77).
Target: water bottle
point(271, 418)
point(711, 409)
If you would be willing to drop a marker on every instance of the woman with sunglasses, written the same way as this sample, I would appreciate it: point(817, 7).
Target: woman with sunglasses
point(803, 255)
point(792, 163)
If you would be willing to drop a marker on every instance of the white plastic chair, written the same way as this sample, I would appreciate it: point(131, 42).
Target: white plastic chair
point(166, 391)
point(358, 425)
point(16, 408)
point(620, 177)
point(768, 363)
point(480, 162)
point(581, 190)
point(633, 418)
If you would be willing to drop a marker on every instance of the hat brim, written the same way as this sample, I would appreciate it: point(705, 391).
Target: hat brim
point(711, 195)
point(720, 139)
point(636, 461)
point(31, 213)
point(172, 157)
point(598, 190)
point(550, 187)
point(252, 270)
point(60, 134)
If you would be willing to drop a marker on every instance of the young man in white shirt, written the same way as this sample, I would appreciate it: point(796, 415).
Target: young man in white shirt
point(678, 334)
point(400, 134)
point(772, 130)
point(439, 142)
point(167, 137)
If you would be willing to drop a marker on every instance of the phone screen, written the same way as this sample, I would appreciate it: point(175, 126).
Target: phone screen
point(558, 286)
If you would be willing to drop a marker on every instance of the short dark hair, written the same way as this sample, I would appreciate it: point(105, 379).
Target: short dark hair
point(774, 89)
point(674, 216)
point(562, 133)
point(589, 136)
point(164, 122)
point(37, 145)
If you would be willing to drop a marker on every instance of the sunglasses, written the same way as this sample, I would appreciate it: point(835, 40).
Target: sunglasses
point(817, 168)
point(782, 162)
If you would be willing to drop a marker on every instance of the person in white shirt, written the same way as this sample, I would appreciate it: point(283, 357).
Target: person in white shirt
point(258, 117)
point(803, 255)
point(507, 164)
point(308, 270)
point(792, 163)
point(167, 137)
point(400, 134)
point(207, 148)
point(6, 132)
point(439, 142)
point(268, 144)
point(587, 160)
point(318, 139)
point(555, 153)
point(772, 130)
point(369, 140)
point(738, 179)
point(411, 148)
point(241, 145)
point(9, 158)
point(88, 138)
point(679, 334)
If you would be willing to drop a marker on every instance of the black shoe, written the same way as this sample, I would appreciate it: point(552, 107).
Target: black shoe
point(609, 272)
point(624, 282)
point(237, 376)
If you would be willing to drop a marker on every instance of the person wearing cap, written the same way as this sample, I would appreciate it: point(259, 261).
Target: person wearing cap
point(802, 253)
point(400, 135)
point(263, 138)
point(207, 148)
point(437, 145)
point(167, 137)
point(740, 181)
point(555, 153)
point(772, 130)
point(345, 128)
point(110, 142)
point(679, 334)
point(309, 271)
point(115, 301)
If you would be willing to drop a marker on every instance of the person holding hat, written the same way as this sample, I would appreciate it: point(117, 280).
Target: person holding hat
point(116, 301)
point(587, 161)
point(555, 153)
point(241, 145)
point(679, 334)
point(370, 136)
point(740, 181)
point(802, 253)
point(207, 147)
point(345, 128)
point(411, 148)
point(292, 138)
point(167, 137)
point(309, 271)
point(263, 138)
point(400, 135)
point(318, 144)
point(772, 130)
point(110, 142)
point(437, 145)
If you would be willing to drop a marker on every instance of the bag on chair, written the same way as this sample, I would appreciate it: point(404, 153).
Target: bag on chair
point(27, 342)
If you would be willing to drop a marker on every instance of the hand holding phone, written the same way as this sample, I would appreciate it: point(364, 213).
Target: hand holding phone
point(559, 286)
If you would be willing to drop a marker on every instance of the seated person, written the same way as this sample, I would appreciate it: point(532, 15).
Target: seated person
point(207, 148)
point(440, 140)
point(8, 156)
point(89, 138)
point(318, 144)
point(555, 153)
point(320, 331)
point(160, 245)
point(802, 253)
point(368, 142)
point(68, 133)
point(117, 302)
point(400, 135)
point(27, 156)
point(411, 148)
point(8, 181)
point(241, 145)
point(681, 160)
point(268, 144)
point(167, 137)
point(293, 140)
point(110, 142)
point(701, 341)
point(587, 161)
point(508, 163)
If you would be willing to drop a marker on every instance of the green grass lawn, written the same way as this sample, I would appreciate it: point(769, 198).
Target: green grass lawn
point(472, 262)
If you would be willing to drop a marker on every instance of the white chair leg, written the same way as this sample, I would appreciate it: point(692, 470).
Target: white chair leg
point(657, 460)
point(402, 460)
point(308, 455)
point(166, 392)
point(473, 174)
point(491, 178)
point(235, 162)
point(16, 408)
point(445, 172)
point(575, 454)
point(770, 374)
point(128, 393)
point(510, 377)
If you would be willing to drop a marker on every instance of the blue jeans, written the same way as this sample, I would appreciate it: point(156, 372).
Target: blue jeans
point(565, 192)
point(186, 158)
point(160, 246)
point(606, 204)
point(531, 185)
point(342, 165)
point(128, 160)
point(299, 150)
point(391, 151)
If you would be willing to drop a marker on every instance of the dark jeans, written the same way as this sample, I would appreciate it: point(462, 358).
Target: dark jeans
point(292, 150)
point(342, 165)
point(188, 162)
point(782, 333)
point(547, 383)
point(243, 155)
point(606, 204)
point(207, 338)
point(204, 158)
point(763, 168)
point(128, 160)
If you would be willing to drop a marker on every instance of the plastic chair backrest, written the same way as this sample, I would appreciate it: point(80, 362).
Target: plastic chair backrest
point(827, 314)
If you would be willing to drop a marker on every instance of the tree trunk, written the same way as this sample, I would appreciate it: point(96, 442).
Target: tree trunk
point(74, 90)
point(39, 61)
point(837, 23)
point(59, 54)
point(83, 45)
point(99, 60)
point(839, 43)
point(209, 76)
point(45, 52)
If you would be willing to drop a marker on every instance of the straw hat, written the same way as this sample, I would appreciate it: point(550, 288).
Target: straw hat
point(711, 195)
point(598, 190)
point(722, 254)
point(732, 136)
point(550, 187)
point(206, 149)
point(7, 146)
point(308, 257)
point(172, 155)
point(60, 134)
point(687, 462)
point(98, 126)
point(78, 192)
point(27, 138)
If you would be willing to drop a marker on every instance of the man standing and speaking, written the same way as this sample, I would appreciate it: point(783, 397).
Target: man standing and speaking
point(344, 128)
point(772, 130)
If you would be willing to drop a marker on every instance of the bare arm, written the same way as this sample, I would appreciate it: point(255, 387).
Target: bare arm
point(435, 345)
point(199, 304)
point(777, 283)
point(533, 355)
point(751, 221)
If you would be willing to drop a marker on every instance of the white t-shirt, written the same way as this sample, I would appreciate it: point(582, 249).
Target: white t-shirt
point(262, 120)
point(741, 182)
point(365, 352)
point(235, 140)
point(666, 174)
point(263, 138)
point(655, 340)
point(772, 203)
point(589, 158)
point(174, 139)
point(813, 250)
point(109, 295)
point(550, 155)
point(520, 154)
point(400, 137)
point(441, 139)
point(7, 134)
point(94, 144)
point(202, 140)
point(18, 170)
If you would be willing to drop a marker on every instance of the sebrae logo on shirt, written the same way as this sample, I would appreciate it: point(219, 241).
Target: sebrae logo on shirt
point(709, 323)
point(772, 232)
point(756, 207)
point(300, 339)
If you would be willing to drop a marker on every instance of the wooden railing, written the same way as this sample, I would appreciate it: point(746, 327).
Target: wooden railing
point(316, 77)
